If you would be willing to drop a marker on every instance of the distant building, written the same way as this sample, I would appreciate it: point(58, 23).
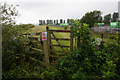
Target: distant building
point(47, 21)
point(40, 22)
point(43, 22)
point(56, 21)
point(67, 20)
point(61, 21)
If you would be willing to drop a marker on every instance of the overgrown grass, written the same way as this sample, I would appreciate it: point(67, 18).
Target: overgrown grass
point(106, 36)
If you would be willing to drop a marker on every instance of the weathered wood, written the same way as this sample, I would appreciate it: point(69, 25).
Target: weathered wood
point(60, 46)
point(60, 39)
point(48, 39)
point(60, 31)
point(71, 41)
point(46, 53)
point(37, 49)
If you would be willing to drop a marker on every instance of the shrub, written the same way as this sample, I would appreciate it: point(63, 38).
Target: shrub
point(88, 62)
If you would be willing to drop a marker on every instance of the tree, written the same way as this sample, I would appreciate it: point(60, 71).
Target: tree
point(12, 40)
point(91, 18)
point(8, 13)
point(115, 16)
point(107, 19)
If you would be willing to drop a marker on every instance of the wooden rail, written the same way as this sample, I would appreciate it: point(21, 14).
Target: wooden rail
point(60, 31)
point(37, 49)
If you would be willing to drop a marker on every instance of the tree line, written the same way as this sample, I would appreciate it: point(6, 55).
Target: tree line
point(90, 18)
point(95, 17)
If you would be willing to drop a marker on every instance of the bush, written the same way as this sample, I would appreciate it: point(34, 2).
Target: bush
point(88, 62)
point(12, 47)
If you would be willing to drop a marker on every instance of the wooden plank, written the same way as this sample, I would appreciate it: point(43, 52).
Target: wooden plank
point(60, 39)
point(60, 46)
point(60, 31)
point(37, 49)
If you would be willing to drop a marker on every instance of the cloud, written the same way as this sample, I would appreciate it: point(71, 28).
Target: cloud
point(32, 11)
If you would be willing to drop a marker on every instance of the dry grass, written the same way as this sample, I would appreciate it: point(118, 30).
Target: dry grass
point(37, 29)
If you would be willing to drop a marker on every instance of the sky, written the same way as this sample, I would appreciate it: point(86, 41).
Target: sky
point(31, 11)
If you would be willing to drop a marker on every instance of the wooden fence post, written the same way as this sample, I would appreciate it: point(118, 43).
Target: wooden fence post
point(71, 40)
point(46, 53)
point(48, 39)
point(46, 49)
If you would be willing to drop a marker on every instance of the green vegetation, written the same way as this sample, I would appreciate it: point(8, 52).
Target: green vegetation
point(91, 18)
point(87, 61)
point(115, 16)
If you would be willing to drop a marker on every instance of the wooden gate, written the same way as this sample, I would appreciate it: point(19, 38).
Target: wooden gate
point(47, 45)
point(50, 38)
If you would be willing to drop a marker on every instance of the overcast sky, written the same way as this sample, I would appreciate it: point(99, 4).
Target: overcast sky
point(31, 11)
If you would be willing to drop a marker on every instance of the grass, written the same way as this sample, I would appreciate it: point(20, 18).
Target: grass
point(36, 29)
point(60, 35)
point(106, 37)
